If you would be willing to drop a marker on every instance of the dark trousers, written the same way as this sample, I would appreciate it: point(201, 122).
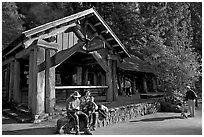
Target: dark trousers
point(76, 115)
point(92, 119)
point(128, 92)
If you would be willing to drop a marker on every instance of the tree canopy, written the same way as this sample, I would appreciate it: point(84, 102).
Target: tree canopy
point(167, 35)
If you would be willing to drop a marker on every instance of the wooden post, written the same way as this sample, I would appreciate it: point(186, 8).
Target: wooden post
point(144, 84)
point(85, 75)
point(134, 85)
point(36, 82)
point(17, 79)
point(11, 81)
point(31, 81)
point(49, 82)
point(114, 77)
point(124, 90)
point(154, 84)
point(79, 75)
point(109, 81)
point(95, 79)
point(119, 84)
point(7, 81)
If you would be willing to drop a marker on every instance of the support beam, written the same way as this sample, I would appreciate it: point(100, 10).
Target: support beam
point(109, 81)
point(11, 80)
point(37, 83)
point(144, 85)
point(31, 81)
point(134, 85)
point(17, 79)
point(85, 75)
point(100, 60)
point(114, 77)
point(119, 84)
point(97, 24)
point(79, 75)
point(49, 82)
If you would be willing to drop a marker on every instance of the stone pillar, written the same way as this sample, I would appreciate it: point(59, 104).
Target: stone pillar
point(109, 81)
point(17, 79)
point(49, 82)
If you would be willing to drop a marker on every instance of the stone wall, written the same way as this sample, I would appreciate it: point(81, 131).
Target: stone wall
point(125, 113)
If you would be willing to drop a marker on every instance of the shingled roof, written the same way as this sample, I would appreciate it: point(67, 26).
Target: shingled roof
point(134, 64)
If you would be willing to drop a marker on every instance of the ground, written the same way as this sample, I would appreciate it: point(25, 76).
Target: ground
point(155, 124)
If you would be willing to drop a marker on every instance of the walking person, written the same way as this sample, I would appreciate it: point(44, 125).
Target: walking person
point(73, 110)
point(191, 96)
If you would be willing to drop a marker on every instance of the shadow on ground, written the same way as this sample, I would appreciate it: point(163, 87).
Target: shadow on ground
point(157, 119)
point(32, 131)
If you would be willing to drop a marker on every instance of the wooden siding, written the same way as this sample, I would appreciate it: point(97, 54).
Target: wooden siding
point(66, 40)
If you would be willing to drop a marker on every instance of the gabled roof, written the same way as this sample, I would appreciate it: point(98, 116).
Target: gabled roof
point(92, 15)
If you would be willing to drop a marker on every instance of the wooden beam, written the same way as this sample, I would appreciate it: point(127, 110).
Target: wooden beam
point(31, 81)
point(113, 57)
point(17, 79)
point(7, 61)
point(11, 80)
point(100, 60)
point(109, 39)
point(57, 22)
point(116, 45)
point(104, 31)
point(25, 52)
point(56, 31)
point(115, 82)
point(97, 24)
point(47, 45)
point(109, 82)
point(65, 54)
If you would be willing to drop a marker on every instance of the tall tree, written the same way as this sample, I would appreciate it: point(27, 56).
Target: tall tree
point(11, 23)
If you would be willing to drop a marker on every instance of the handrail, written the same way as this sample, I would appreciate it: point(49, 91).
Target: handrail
point(81, 87)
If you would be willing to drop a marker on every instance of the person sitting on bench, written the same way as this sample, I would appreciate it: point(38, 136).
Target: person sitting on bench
point(73, 110)
point(89, 107)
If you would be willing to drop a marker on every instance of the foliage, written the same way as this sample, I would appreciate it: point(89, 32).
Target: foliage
point(11, 23)
point(168, 45)
point(167, 35)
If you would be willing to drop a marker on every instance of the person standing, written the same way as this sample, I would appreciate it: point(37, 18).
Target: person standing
point(190, 98)
point(128, 88)
point(73, 110)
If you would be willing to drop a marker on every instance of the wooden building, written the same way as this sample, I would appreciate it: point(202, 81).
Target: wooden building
point(140, 74)
point(48, 62)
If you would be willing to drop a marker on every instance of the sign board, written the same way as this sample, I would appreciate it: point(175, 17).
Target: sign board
point(95, 44)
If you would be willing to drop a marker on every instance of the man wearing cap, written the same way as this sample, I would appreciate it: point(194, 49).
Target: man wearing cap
point(73, 110)
point(190, 98)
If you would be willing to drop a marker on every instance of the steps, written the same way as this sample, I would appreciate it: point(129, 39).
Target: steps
point(19, 113)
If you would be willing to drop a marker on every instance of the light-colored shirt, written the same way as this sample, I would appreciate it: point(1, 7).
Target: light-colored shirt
point(72, 104)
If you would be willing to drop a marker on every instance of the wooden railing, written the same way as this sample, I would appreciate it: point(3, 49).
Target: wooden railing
point(62, 92)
